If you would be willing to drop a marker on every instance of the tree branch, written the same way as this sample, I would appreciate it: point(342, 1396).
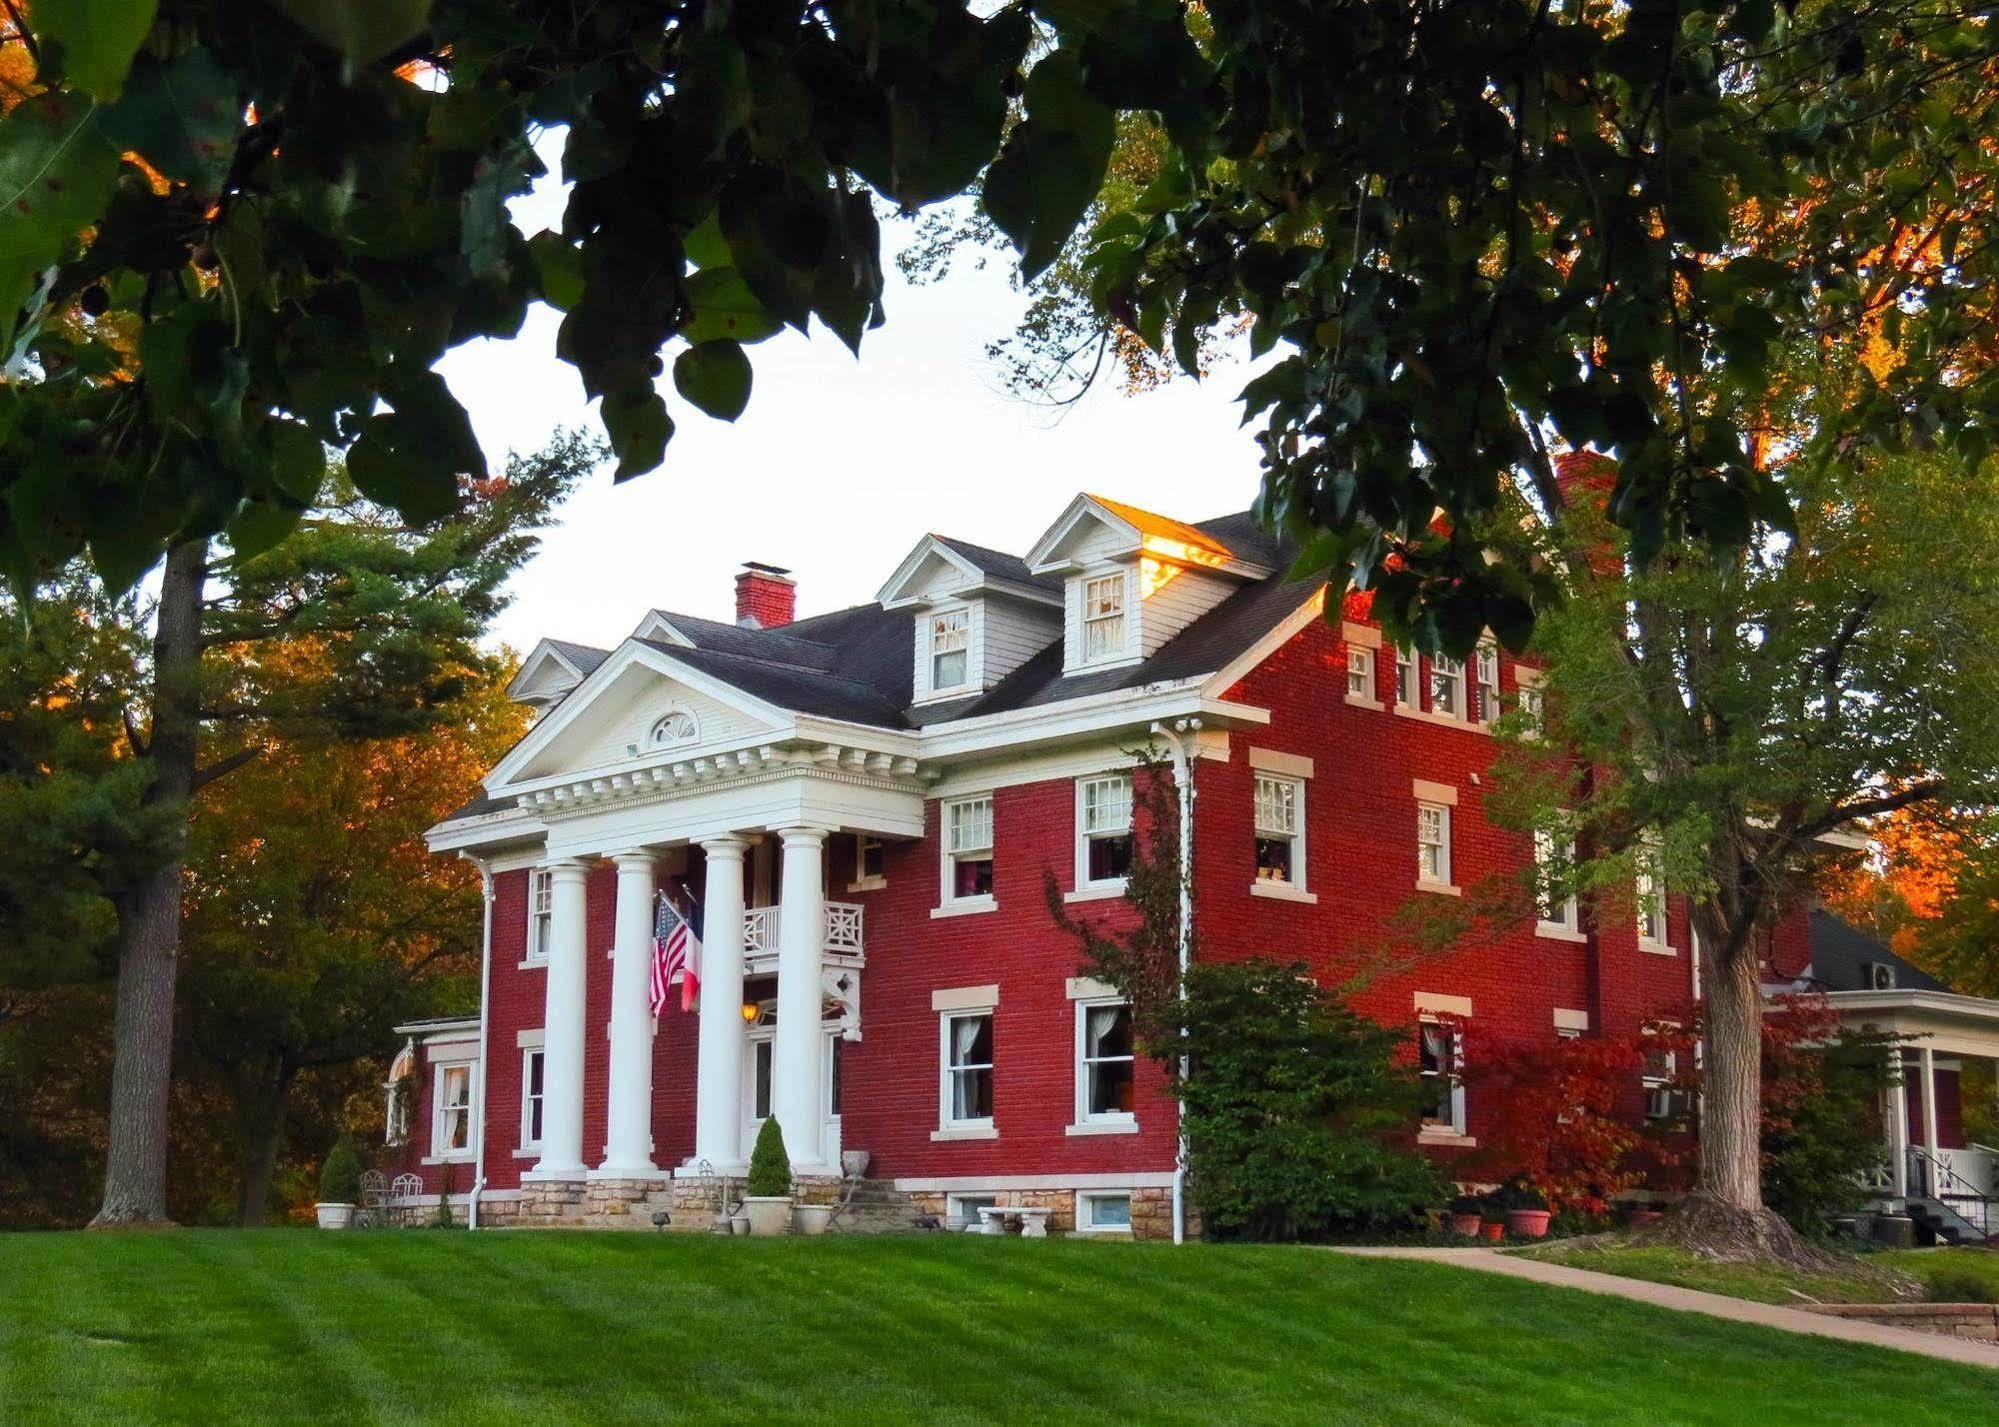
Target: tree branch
point(225, 766)
point(1869, 807)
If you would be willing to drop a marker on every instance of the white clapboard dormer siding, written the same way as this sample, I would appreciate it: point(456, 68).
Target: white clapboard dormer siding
point(1161, 574)
point(970, 602)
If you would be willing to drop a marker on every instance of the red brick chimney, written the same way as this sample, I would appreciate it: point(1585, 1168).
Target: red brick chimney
point(766, 596)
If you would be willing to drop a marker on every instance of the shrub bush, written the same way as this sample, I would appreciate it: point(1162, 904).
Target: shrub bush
point(1821, 1129)
point(1957, 1286)
point(340, 1176)
point(770, 1166)
point(1300, 1116)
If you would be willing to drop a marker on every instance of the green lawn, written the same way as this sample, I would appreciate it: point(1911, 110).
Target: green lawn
point(1773, 1285)
point(294, 1326)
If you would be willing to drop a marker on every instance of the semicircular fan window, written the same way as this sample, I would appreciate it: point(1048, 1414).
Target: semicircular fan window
point(673, 728)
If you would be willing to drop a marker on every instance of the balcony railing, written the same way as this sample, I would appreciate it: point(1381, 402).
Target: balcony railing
point(841, 934)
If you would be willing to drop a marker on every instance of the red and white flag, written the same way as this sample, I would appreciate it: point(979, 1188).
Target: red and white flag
point(676, 957)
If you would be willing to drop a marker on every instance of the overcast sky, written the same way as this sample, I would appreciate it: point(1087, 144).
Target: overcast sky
point(839, 466)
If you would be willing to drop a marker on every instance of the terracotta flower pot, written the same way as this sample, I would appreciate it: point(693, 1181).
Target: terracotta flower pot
point(1528, 1223)
point(1466, 1224)
point(1493, 1230)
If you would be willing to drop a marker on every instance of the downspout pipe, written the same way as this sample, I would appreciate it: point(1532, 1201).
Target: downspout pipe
point(485, 1020)
point(1175, 738)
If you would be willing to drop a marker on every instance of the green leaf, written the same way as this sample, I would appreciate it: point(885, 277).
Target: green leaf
point(639, 428)
point(56, 171)
point(394, 465)
point(298, 460)
point(260, 524)
point(704, 244)
point(1045, 179)
point(715, 376)
point(98, 39)
point(359, 29)
point(560, 265)
point(724, 306)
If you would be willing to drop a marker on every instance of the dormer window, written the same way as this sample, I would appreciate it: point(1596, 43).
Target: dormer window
point(1103, 617)
point(672, 729)
point(950, 649)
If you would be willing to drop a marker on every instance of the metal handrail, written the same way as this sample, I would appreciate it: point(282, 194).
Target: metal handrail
point(1939, 1180)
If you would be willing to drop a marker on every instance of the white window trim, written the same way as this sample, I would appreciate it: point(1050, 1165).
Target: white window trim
point(1087, 890)
point(1085, 1123)
point(1085, 1213)
point(1442, 671)
point(927, 635)
point(1128, 613)
point(1435, 1132)
point(1528, 698)
point(1293, 888)
point(954, 1209)
point(949, 905)
point(534, 952)
point(862, 881)
point(1661, 945)
point(1364, 660)
point(1477, 688)
point(654, 742)
point(1568, 927)
point(438, 1071)
point(531, 1145)
point(1424, 881)
point(948, 1128)
point(1662, 1085)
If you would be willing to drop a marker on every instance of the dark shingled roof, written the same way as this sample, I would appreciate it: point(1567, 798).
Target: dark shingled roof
point(1003, 566)
point(1839, 950)
point(856, 664)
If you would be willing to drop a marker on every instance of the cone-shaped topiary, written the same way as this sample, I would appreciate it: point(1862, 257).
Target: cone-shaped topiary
point(340, 1176)
point(770, 1166)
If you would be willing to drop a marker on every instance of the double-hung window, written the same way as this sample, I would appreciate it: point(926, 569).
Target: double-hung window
point(1103, 617)
point(1486, 707)
point(1103, 830)
point(1280, 829)
point(1532, 709)
point(1440, 1065)
point(1447, 687)
point(541, 912)
point(1651, 898)
point(532, 1070)
point(1405, 676)
point(1554, 897)
point(1105, 1062)
point(1360, 672)
point(968, 849)
point(1664, 1100)
point(950, 649)
point(967, 1092)
point(1433, 844)
point(451, 1124)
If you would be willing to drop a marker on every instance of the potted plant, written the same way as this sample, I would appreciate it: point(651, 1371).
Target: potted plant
point(1465, 1215)
point(1527, 1212)
point(1492, 1216)
point(768, 1200)
point(339, 1186)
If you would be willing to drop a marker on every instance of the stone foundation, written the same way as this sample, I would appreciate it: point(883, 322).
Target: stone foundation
point(1151, 1209)
point(547, 1202)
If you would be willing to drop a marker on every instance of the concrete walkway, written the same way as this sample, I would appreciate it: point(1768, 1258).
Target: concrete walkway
point(1687, 1300)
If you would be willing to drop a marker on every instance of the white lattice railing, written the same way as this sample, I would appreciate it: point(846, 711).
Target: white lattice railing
point(843, 930)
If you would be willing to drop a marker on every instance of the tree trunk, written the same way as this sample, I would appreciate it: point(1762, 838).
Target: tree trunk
point(1731, 1119)
point(135, 1167)
point(263, 1136)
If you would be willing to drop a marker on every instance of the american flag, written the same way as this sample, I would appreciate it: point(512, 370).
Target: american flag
point(676, 956)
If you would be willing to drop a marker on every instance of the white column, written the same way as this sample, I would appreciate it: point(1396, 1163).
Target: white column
point(795, 1092)
point(718, 1104)
point(628, 1132)
point(1898, 1126)
point(1930, 1117)
point(562, 1026)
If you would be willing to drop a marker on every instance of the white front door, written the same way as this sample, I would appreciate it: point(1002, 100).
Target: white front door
point(757, 1062)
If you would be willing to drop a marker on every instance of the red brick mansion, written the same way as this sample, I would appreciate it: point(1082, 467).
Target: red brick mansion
point(860, 810)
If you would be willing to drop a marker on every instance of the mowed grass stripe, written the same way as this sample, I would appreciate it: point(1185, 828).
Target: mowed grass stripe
point(419, 1327)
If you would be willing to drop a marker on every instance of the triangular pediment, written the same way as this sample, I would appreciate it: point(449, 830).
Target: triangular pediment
point(638, 706)
point(1086, 530)
point(931, 571)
